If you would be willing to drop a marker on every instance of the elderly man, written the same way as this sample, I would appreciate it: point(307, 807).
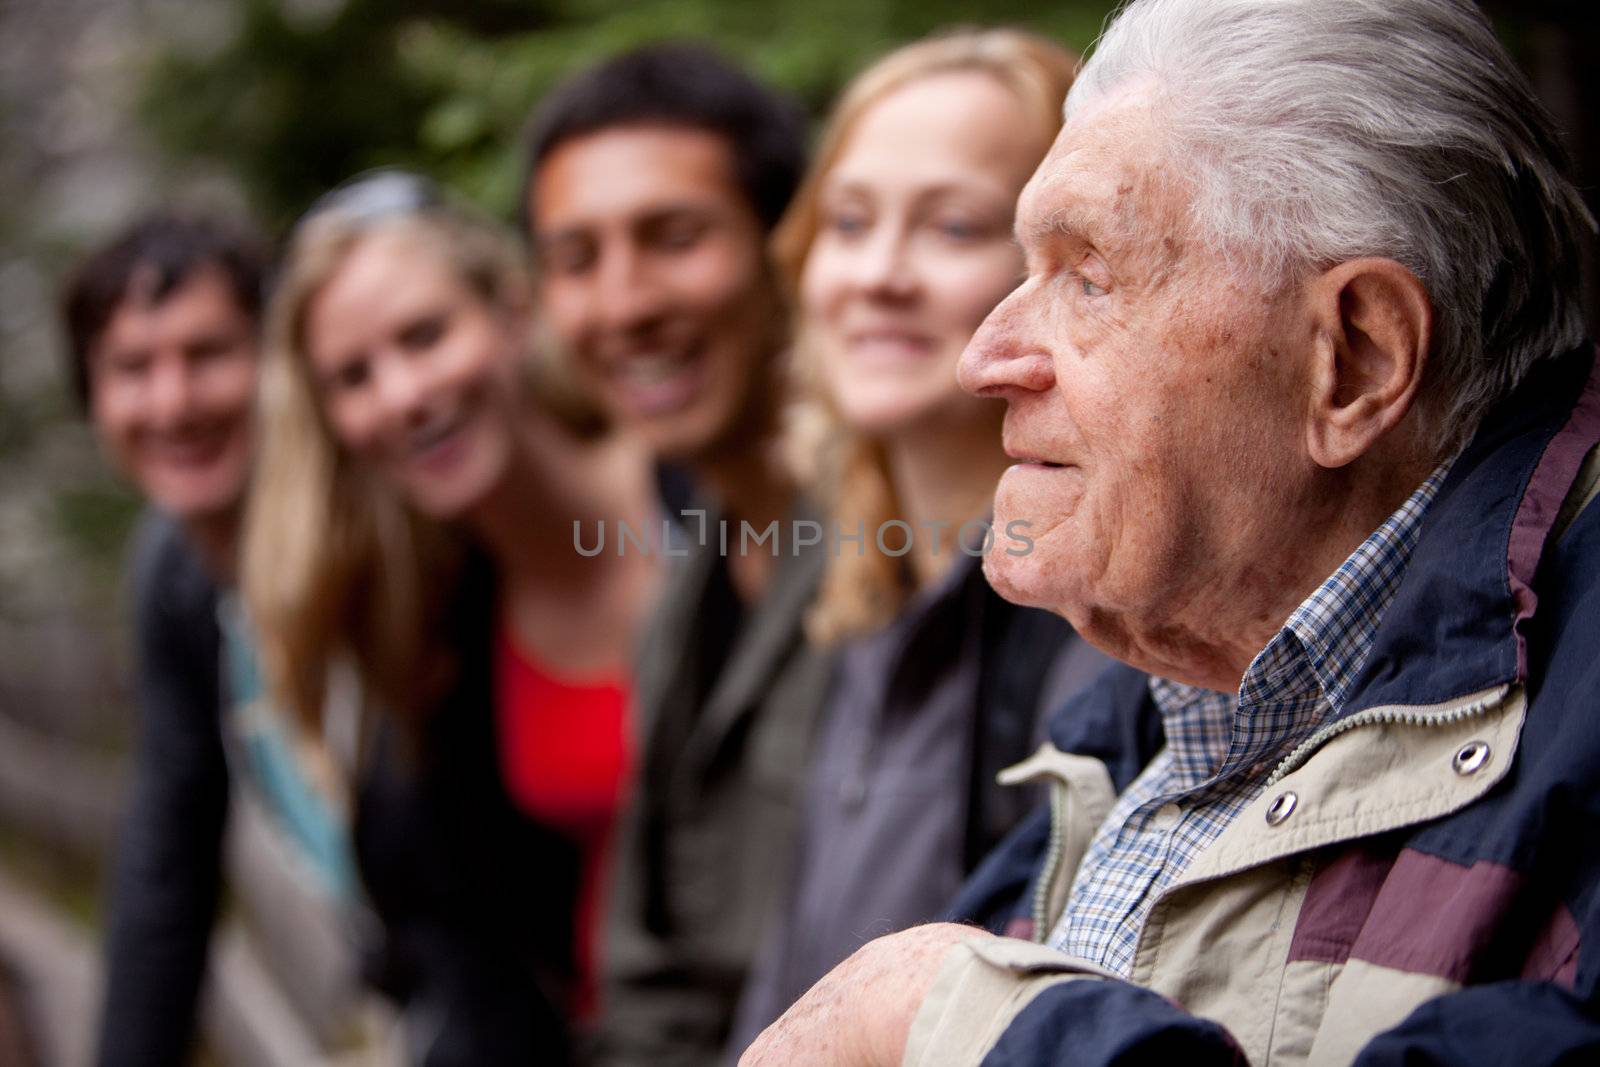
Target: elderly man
point(1305, 428)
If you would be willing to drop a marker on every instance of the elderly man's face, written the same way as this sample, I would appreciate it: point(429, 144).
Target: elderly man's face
point(1154, 402)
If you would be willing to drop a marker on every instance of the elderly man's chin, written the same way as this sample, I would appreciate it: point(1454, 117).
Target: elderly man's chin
point(1030, 561)
point(1015, 578)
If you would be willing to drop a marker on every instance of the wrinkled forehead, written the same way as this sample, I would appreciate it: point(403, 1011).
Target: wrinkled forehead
point(1106, 177)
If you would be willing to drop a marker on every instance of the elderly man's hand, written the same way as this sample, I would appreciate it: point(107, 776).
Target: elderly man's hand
point(859, 1014)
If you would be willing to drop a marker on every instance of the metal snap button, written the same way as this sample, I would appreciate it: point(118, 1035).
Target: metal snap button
point(1473, 755)
point(1281, 808)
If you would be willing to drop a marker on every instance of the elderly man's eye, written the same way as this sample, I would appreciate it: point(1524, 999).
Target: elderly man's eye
point(1087, 287)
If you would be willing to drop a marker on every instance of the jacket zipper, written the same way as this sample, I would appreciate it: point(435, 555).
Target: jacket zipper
point(1372, 716)
point(1386, 716)
point(1052, 860)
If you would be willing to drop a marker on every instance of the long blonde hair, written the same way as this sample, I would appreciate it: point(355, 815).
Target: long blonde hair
point(334, 562)
point(861, 592)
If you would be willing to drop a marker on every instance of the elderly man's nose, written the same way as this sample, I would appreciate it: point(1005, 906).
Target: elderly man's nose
point(1000, 358)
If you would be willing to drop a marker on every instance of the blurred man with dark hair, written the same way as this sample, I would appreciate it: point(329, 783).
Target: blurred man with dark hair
point(162, 324)
point(653, 182)
point(687, 87)
point(162, 329)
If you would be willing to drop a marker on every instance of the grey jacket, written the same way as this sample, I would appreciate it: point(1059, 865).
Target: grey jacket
point(725, 704)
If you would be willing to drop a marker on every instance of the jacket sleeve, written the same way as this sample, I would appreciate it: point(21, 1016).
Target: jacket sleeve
point(1015, 1004)
point(1501, 1022)
point(1007, 1003)
point(166, 877)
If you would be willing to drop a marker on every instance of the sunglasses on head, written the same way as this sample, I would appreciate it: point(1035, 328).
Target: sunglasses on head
point(375, 194)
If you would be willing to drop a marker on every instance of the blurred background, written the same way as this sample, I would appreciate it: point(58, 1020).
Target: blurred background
point(109, 107)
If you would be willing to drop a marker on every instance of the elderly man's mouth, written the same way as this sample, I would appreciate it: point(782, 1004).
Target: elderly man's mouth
point(1021, 455)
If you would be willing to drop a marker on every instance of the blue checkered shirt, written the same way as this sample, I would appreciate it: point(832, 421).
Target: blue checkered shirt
point(1221, 748)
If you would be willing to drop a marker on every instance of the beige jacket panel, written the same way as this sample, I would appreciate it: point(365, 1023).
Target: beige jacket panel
point(1367, 999)
point(982, 985)
point(1219, 950)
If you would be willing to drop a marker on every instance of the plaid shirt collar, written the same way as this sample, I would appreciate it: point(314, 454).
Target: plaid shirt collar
point(1302, 678)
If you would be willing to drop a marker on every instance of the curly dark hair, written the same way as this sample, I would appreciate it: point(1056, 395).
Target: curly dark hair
point(172, 247)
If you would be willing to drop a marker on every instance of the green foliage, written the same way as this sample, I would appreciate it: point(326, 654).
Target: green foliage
point(94, 521)
point(292, 105)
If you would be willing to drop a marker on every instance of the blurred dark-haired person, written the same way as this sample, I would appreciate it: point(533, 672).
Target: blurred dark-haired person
point(653, 181)
point(896, 247)
point(410, 524)
point(162, 324)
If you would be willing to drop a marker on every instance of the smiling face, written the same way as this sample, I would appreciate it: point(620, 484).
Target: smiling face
point(914, 248)
point(416, 372)
point(171, 387)
point(653, 274)
point(1154, 407)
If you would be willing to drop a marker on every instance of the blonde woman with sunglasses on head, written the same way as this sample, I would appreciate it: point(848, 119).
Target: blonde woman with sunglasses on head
point(412, 518)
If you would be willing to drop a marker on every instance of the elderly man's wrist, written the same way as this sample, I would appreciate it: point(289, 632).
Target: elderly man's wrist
point(906, 966)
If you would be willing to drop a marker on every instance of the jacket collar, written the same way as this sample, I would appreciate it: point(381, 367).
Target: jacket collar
point(1457, 624)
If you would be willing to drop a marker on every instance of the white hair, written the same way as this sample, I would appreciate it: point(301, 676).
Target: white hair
point(1319, 131)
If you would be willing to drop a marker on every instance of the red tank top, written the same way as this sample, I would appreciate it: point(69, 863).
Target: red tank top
point(566, 756)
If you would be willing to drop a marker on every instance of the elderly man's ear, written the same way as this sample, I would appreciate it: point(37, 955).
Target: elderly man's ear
point(1373, 324)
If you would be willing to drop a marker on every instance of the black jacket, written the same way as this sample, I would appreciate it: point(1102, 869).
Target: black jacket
point(167, 871)
point(476, 899)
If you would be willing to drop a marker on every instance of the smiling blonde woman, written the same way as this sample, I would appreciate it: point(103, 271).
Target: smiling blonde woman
point(412, 517)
